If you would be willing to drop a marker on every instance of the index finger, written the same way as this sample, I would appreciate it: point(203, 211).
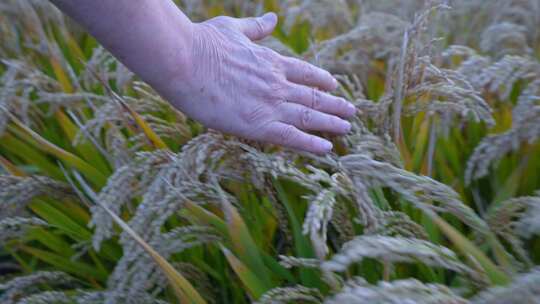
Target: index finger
point(301, 72)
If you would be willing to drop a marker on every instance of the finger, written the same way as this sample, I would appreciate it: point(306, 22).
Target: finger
point(289, 136)
point(320, 101)
point(301, 72)
point(308, 119)
point(257, 28)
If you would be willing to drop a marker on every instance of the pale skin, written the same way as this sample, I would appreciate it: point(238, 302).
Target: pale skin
point(215, 73)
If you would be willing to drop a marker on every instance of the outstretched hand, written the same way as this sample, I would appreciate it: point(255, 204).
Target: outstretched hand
point(238, 87)
point(214, 73)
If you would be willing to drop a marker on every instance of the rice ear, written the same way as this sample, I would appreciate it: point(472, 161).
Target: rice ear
point(182, 288)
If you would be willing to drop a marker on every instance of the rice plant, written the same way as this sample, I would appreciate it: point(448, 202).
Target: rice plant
point(108, 194)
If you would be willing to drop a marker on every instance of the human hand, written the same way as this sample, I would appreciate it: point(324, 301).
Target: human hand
point(238, 87)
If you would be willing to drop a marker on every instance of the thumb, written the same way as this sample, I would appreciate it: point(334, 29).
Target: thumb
point(257, 28)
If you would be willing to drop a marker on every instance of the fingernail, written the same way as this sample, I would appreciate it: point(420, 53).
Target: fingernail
point(269, 17)
point(346, 127)
point(336, 83)
point(351, 108)
point(326, 146)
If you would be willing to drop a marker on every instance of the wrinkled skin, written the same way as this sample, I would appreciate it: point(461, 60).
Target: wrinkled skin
point(216, 74)
point(241, 88)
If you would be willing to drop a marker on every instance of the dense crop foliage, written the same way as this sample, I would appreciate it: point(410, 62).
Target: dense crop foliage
point(110, 195)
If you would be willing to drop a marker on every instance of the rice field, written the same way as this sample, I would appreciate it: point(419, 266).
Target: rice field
point(109, 194)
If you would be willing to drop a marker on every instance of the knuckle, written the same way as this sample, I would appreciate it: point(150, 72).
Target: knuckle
point(311, 143)
point(286, 135)
point(276, 69)
point(278, 89)
point(276, 73)
point(306, 117)
point(274, 60)
point(315, 99)
point(259, 26)
point(273, 85)
point(253, 115)
point(308, 73)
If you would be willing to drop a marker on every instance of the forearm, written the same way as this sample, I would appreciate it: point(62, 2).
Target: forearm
point(151, 37)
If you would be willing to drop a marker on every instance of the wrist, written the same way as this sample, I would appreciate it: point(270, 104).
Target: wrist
point(180, 84)
point(174, 59)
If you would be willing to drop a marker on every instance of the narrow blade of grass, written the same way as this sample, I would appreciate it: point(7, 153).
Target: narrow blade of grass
point(94, 175)
point(254, 286)
point(243, 244)
point(495, 275)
